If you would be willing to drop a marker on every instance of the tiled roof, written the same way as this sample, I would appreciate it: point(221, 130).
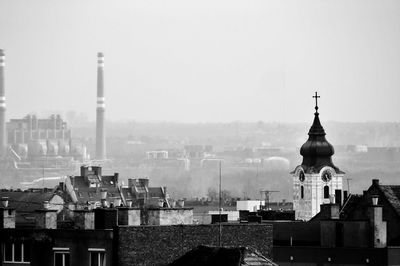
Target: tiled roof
point(355, 207)
point(392, 194)
point(156, 192)
point(351, 204)
point(126, 192)
point(139, 191)
point(84, 193)
point(27, 201)
point(140, 195)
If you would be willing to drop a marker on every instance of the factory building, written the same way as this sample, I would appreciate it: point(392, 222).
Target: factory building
point(32, 138)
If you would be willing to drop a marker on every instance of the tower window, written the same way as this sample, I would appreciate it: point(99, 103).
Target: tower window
point(302, 192)
point(326, 192)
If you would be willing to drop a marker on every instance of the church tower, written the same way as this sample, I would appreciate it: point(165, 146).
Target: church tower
point(316, 180)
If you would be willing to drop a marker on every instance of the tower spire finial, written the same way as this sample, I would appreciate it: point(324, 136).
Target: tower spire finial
point(316, 101)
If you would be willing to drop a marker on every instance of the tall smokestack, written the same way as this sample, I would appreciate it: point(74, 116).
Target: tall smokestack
point(3, 140)
point(101, 108)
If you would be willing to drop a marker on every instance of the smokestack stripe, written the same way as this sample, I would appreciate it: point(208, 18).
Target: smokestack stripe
point(100, 110)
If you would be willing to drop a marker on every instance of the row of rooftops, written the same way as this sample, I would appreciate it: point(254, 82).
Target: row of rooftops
point(91, 189)
point(92, 186)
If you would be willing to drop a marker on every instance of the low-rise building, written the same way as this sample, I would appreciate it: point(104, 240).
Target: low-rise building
point(26, 203)
point(91, 187)
point(138, 193)
point(111, 243)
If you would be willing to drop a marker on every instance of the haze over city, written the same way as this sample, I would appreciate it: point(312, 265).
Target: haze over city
point(202, 133)
point(206, 61)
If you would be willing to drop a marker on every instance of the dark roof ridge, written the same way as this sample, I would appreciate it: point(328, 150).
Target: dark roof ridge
point(391, 196)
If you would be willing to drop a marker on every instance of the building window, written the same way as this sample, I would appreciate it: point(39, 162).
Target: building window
point(97, 257)
point(61, 256)
point(302, 192)
point(326, 192)
point(16, 252)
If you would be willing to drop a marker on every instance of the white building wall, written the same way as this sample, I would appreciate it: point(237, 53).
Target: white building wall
point(249, 205)
point(313, 184)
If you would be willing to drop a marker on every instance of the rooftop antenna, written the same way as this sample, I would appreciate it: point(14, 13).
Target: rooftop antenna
point(43, 174)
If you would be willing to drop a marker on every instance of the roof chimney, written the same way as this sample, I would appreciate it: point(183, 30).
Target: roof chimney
point(116, 176)
point(330, 211)
point(378, 226)
point(7, 215)
point(4, 202)
point(84, 219)
point(338, 197)
point(105, 218)
point(128, 216)
point(46, 218)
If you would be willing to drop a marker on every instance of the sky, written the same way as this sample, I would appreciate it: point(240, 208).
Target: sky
point(204, 61)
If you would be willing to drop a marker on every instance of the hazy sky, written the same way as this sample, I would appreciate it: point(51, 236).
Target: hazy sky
point(208, 60)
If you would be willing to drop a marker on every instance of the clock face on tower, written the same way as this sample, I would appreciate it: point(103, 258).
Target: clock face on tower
point(301, 176)
point(326, 176)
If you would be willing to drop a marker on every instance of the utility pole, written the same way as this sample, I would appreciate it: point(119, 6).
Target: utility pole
point(220, 198)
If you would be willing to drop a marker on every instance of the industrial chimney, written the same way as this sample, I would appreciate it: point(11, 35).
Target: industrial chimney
point(101, 108)
point(3, 140)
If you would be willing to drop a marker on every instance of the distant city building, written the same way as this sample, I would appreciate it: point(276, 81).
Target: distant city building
point(211, 162)
point(317, 180)
point(197, 151)
point(267, 151)
point(156, 155)
point(37, 140)
point(249, 205)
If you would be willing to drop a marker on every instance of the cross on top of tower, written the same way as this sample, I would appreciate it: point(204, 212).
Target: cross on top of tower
point(316, 96)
